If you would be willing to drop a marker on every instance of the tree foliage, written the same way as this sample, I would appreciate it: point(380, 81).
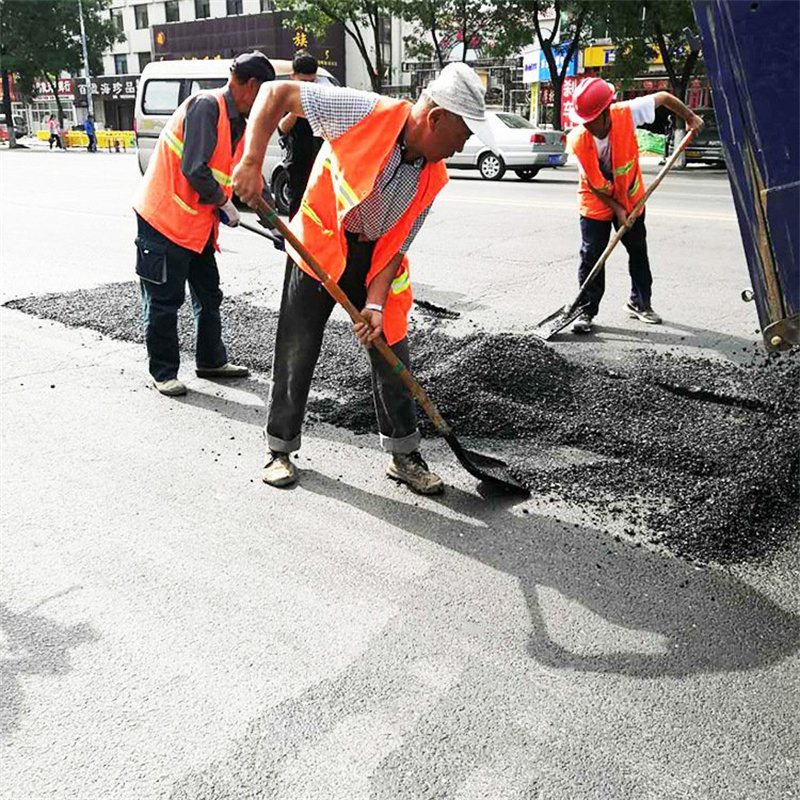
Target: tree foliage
point(40, 40)
point(642, 28)
point(362, 21)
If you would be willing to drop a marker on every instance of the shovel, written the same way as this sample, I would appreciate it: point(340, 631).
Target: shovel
point(484, 467)
point(559, 320)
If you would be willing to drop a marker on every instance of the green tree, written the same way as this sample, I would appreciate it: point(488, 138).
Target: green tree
point(520, 22)
point(641, 28)
point(40, 40)
point(362, 20)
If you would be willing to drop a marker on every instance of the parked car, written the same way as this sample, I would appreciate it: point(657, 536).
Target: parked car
point(523, 148)
point(164, 85)
point(20, 126)
point(706, 147)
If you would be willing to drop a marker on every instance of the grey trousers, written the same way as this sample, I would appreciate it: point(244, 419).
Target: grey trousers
point(305, 309)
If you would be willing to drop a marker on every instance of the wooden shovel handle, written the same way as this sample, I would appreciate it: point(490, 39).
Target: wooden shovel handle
point(268, 213)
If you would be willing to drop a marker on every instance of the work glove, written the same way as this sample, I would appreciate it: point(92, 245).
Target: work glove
point(228, 215)
point(278, 242)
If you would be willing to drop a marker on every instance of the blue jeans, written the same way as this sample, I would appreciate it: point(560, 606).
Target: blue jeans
point(164, 269)
point(595, 234)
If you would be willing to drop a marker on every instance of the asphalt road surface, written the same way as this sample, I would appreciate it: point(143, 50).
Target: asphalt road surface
point(173, 628)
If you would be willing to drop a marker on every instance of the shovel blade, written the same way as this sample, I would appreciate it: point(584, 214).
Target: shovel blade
point(486, 468)
point(556, 322)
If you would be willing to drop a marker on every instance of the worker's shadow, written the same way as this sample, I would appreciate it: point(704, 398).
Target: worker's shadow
point(708, 621)
point(673, 334)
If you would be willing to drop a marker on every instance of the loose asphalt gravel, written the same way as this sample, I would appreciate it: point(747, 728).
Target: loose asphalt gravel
point(696, 456)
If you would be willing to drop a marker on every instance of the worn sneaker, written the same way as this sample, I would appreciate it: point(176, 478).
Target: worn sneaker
point(225, 371)
point(412, 470)
point(583, 324)
point(645, 314)
point(171, 388)
point(279, 471)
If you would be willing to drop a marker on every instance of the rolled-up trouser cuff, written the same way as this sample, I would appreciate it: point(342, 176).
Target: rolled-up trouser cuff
point(405, 444)
point(277, 445)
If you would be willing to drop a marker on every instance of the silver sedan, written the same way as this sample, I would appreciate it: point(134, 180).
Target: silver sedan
point(523, 148)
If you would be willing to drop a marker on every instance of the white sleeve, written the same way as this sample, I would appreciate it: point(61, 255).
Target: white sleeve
point(643, 109)
point(331, 111)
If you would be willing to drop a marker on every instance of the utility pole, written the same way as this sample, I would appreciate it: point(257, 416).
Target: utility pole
point(86, 62)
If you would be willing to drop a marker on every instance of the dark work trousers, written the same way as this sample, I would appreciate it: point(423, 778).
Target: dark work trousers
point(595, 234)
point(164, 269)
point(305, 308)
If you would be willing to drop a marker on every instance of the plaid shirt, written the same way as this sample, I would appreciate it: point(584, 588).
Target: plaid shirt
point(331, 112)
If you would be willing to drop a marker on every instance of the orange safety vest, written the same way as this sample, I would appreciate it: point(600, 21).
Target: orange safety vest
point(627, 187)
point(167, 200)
point(343, 175)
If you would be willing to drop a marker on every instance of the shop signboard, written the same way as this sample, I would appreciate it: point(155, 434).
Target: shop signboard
point(64, 87)
point(530, 66)
point(560, 54)
point(110, 87)
point(567, 99)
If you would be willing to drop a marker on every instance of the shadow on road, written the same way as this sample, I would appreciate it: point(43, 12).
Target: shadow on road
point(710, 621)
point(33, 645)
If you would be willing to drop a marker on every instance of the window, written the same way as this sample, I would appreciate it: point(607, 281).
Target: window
point(172, 11)
point(200, 84)
point(116, 19)
point(121, 64)
point(267, 5)
point(140, 15)
point(202, 9)
point(144, 59)
point(233, 7)
point(161, 97)
point(514, 121)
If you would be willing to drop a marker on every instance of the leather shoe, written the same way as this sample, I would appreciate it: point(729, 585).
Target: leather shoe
point(225, 371)
point(171, 388)
point(279, 471)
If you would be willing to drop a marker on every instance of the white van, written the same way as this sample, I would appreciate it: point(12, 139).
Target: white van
point(164, 85)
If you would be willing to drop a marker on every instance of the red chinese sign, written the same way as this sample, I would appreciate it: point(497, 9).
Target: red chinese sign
point(567, 94)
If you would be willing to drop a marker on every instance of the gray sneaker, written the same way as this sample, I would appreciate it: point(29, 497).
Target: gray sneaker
point(171, 388)
point(645, 315)
point(279, 471)
point(583, 324)
point(412, 470)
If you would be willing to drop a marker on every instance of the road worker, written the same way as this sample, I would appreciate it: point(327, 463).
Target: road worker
point(371, 187)
point(610, 185)
point(184, 195)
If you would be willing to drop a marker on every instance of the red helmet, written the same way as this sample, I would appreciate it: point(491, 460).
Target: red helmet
point(592, 97)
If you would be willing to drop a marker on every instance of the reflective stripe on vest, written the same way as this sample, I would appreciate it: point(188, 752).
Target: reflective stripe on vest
point(345, 194)
point(401, 282)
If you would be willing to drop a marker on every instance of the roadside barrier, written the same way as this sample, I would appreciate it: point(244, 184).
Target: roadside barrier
point(113, 141)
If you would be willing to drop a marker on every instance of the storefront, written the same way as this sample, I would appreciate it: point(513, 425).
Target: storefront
point(226, 37)
point(113, 97)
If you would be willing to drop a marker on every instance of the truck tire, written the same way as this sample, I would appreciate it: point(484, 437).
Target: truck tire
point(280, 190)
point(491, 166)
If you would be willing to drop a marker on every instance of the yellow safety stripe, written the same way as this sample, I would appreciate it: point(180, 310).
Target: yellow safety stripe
point(625, 168)
point(345, 194)
point(173, 142)
point(222, 178)
point(306, 209)
point(633, 188)
point(185, 206)
point(401, 282)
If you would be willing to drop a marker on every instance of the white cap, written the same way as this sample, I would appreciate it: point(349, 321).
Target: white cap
point(458, 89)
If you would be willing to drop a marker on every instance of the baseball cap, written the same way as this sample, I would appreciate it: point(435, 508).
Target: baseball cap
point(458, 89)
point(253, 65)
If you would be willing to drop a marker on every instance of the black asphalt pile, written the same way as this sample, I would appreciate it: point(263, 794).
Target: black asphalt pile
point(698, 456)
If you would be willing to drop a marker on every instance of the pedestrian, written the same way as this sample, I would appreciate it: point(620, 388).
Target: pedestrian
point(184, 195)
point(297, 139)
point(371, 187)
point(610, 185)
point(88, 127)
point(52, 126)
